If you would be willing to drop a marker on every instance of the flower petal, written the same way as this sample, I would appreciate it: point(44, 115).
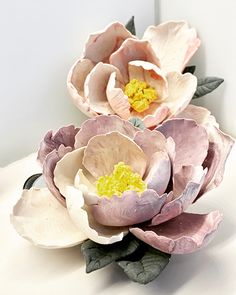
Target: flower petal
point(191, 141)
point(130, 50)
point(84, 220)
point(103, 125)
point(158, 172)
point(128, 209)
point(187, 184)
point(49, 168)
point(151, 74)
point(105, 151)
point(181, 89)
point(102, 44)
point(174, 43)
point(116, 97)
point(95, 88)
point(150, 141)
point(64, 136)
point(159, 115)
point(184, 234)
point(75, 84)
point(41, 219)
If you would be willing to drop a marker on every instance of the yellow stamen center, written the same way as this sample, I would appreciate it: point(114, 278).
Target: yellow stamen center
point(121, 179)
point(140, 95)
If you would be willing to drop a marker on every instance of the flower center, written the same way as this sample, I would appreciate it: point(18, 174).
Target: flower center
point(121, 179)
point(140, 94)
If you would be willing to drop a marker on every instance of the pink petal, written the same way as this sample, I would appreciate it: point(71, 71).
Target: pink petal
point(116, 97)
point(95, 88)
point(174, 43)
point(181, 89)
point(130, 50)
point(199, 114)
point(150, 141)
point(186, 189)
point(102, 44)
point(103, 125)
point(128, 209)
point(191, 141)
point(150, 73)
point(158, 172)
point(184, 234)
point(64, 136)
point(75, 85)
point(105, 151)
point(48, 171)
point(158, 116)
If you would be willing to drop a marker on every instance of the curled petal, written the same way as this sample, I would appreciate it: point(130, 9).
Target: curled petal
point(128, 209)
point(105, 151)
point(174, 43)
point(84, 220)
point(191, 141)
point(41, 219)
point(187, 184)
point(130, 50)
point(184, 234)
point(102, 44)
point(158, 172)
point(49, 168)
point(151, 74)
point(116, 97)
point(181, 89)
point(150, 141)
point(103, 125)
point(64, 136)
point(95, 88)
point(75, 84)
point(159, 115)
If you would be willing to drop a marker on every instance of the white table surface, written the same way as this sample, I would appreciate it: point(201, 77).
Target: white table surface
point(25, 269)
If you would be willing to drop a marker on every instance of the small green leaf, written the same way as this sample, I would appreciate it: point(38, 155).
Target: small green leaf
point(207, 85)
point(98, 255)
point(30, 181)
point(146, 266)
point(130, 26)
point(137, 123)
point(190, 69)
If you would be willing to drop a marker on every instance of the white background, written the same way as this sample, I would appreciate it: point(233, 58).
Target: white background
point(40, 40)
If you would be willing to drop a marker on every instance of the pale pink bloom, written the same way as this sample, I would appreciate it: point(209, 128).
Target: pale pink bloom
point(113, 57)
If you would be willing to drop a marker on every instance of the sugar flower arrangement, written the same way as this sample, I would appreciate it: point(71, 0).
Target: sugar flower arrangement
point(121, 183)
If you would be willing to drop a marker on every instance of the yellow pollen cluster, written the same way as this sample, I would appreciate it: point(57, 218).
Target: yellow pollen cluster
point(122, 179)
point(140, 95)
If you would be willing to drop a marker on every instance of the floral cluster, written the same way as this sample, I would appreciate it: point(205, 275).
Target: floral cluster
point(108, 177)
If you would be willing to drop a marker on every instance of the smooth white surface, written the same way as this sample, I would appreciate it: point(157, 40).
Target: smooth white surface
point(25, 269)
point(40, 40)
point(215, 22)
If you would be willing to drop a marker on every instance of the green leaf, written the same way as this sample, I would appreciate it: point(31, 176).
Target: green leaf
point(190, 69)
point(146, 266)
point(207, 85)
point(98, 255)
point(130, 26)
point(31, 180)
point(137, 122)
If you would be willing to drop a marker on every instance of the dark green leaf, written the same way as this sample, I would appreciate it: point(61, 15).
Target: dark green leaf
point(130, 26)
point(98, 255)
point(146, 266)
point(137, 123)
point(190, 69)
point(30, 181)
point(207, 85)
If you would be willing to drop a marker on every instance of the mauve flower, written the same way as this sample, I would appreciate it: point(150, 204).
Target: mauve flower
point(120, 74)
point(118, 178)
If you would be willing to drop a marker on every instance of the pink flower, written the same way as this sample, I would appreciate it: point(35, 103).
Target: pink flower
point(119, 74)
point(111, 177)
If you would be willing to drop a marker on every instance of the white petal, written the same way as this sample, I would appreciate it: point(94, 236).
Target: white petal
point(41, 219)
point(82, 217)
